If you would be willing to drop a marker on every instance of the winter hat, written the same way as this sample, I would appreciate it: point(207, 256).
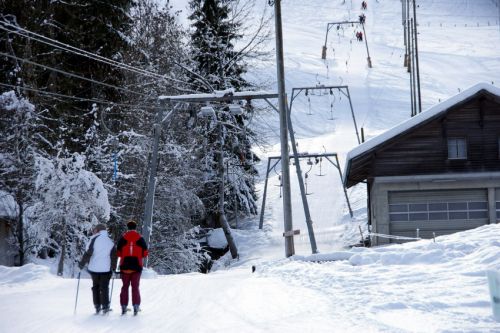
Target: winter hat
point(99, 227)
point(131, 225)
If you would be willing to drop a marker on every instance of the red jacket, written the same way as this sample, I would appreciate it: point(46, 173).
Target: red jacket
point(131, 250)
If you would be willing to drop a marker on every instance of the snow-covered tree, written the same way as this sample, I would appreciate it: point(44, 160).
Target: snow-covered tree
point(71, 200)
point(213, 37)
point(21, 132)
point(222, 46)
point(224, 40)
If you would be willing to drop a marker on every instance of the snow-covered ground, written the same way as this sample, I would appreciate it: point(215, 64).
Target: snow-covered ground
point(415, 287)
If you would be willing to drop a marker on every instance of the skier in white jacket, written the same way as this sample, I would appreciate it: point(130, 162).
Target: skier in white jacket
point(101, 258)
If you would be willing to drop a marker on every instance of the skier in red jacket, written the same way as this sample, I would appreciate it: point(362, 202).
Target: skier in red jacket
point(131, 250)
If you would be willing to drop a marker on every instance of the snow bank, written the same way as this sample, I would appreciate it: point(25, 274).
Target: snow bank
point(148, 273)
point(325, 256)
point(472, 245)
point(23, 274)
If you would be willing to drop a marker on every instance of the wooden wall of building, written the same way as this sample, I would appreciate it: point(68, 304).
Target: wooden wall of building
point(424, 149)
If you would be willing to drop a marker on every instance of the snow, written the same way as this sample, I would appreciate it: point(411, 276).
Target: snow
point(414, 287)
point(216, 239)
point(220, 94)
point(8, 206)
point(420, 286)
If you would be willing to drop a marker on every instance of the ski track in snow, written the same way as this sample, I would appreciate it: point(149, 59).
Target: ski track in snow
point(415, 287)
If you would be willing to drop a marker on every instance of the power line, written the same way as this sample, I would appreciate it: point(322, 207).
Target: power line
point(72, 75)
point(68, 48)
point(82, 99)
point(74, 50)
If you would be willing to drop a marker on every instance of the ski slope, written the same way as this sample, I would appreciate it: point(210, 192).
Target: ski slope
point(415, 287)
point(454, 53)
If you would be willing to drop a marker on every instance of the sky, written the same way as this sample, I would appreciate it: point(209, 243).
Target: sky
point(422, 286)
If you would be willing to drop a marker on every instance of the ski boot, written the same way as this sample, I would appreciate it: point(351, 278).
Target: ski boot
point(97, 309)
point(136, 309)
point(105, 309)
point(124, 310)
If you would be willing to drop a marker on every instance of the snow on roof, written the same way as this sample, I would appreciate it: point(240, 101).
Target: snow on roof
point(218, 94)
point(416, 120)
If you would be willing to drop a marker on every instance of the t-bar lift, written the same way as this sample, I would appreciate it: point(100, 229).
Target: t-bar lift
point(338, 24)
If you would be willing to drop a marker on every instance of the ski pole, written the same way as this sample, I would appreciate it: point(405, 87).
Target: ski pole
point(77, 288)
point(112, 284)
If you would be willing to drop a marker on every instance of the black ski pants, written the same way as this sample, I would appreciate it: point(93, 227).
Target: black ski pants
point(100, 288)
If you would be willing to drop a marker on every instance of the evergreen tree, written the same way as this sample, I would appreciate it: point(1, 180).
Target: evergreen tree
point(218, 65)
point(213, 51)
point(99, 27)
point(68, 124)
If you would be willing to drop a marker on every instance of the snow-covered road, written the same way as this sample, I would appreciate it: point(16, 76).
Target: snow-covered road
point(415, 287)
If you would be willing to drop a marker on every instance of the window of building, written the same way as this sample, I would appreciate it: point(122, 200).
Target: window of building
point(432, 211)
point(457, 148)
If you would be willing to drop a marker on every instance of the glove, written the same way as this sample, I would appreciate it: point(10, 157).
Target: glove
point(81, 265)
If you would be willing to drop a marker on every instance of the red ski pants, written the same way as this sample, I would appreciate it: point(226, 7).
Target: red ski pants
point(133, 280)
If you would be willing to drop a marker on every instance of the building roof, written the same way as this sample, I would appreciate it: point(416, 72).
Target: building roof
point(415, 121)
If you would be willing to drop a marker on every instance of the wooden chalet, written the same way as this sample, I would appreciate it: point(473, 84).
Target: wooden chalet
point(438, 172)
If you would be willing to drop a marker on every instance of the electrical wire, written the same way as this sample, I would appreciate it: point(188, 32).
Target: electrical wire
point(82, 99)
point(68, 48)
point(72, 75)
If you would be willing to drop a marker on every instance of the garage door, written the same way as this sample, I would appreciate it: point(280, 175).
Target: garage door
point(442, 212)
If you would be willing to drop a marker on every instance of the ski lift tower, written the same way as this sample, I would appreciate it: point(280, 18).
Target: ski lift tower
point(222, 97)
point(296, 156)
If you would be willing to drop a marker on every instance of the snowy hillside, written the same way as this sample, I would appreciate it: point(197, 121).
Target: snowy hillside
point(423, 286)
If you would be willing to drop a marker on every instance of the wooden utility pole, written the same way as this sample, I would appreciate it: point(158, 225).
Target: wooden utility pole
point(285, 167)
point(416, 55)
point(405, 27)
point(222, 215)
point(147, 223)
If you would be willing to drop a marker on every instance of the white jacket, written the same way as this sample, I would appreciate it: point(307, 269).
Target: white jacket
point(100, 261)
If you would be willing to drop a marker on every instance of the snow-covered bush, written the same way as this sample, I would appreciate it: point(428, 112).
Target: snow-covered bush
point(71, 201)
